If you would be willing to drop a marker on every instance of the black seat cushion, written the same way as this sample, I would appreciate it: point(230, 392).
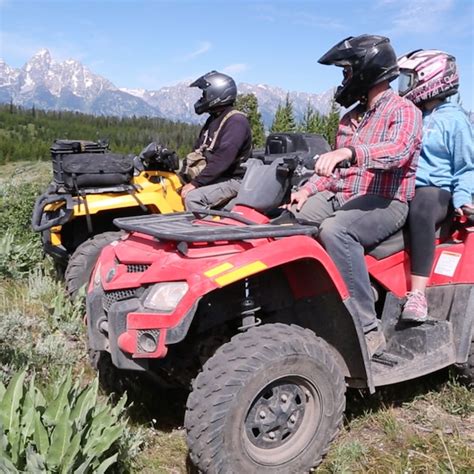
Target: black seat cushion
point(390, 246)
point(400, 240)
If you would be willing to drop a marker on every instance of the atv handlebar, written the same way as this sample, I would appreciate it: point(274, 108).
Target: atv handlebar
point(157, 155)
point(42, 202)
point(341, 164)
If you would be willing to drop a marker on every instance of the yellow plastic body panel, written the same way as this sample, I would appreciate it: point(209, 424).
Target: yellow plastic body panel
point(157, 190)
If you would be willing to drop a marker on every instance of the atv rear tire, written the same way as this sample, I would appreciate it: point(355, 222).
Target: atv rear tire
point(466, 371)
point(83, 259)
point(270, 400)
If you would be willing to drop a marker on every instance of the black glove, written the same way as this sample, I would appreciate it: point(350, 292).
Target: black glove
point(169, 159)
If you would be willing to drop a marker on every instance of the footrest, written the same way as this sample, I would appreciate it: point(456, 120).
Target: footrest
point(384, 359)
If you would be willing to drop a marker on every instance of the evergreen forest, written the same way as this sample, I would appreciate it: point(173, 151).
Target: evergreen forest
point(27, 134)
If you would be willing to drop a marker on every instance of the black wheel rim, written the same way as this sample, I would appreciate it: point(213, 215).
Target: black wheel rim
point(282, 420)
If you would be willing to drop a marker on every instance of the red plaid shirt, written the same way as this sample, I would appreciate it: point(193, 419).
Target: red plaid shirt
point(387, 142)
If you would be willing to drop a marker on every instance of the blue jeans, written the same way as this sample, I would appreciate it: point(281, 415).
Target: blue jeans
point(346, 231)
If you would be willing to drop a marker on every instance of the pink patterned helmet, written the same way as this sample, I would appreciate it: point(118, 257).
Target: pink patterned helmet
point(427, 74)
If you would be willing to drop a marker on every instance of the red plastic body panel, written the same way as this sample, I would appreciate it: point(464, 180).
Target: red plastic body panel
point(453, 264)
point(207, 267)
point(168, 264)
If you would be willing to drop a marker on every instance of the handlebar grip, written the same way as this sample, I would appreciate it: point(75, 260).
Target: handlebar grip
point(344, 164)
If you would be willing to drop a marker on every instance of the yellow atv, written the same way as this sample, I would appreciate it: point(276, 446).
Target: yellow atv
point(91, 188)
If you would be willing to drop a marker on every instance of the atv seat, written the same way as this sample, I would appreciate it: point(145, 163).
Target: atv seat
point(400, 240)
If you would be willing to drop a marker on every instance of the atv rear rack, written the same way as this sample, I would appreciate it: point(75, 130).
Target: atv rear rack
point(189, 227)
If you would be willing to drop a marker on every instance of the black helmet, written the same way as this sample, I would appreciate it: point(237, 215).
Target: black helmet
point(367, 60)
point(217, 89)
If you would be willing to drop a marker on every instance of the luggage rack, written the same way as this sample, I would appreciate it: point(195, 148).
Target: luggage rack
point(189, 227)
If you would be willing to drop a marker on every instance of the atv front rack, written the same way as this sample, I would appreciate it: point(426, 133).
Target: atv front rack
point(189, 227)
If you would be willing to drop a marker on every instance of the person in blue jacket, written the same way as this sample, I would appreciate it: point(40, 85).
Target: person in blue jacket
point(445, 173)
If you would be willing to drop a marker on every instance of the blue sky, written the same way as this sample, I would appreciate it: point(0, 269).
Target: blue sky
point(150, 44)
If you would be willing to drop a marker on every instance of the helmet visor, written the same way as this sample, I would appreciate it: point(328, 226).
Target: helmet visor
point(201, 82)
point(406, 81)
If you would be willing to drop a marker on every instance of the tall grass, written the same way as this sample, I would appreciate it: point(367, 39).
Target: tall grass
point(42, 337)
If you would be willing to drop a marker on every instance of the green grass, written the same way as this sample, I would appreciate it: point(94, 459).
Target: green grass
point(25, 171)
point(421, 426)
point(424, 426)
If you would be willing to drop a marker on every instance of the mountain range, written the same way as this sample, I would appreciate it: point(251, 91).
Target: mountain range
point(51, 85)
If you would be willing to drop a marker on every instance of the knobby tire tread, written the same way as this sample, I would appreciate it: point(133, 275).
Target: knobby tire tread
point(212, 390)
point(82, 261)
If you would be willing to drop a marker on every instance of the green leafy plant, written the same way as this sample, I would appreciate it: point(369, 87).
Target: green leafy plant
point(17, 199)
point(67, 431)
point(17, 259)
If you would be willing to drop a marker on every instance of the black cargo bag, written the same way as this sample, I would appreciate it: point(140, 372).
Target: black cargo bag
point(90, 170)
point(62, 148)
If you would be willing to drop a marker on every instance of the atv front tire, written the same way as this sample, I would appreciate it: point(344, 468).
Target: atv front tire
point(82, 261)
point(269, 401)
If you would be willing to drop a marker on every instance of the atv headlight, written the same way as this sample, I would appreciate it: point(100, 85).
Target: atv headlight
point(166, 296)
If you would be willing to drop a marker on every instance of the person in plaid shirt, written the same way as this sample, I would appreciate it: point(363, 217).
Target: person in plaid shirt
point(378, 141)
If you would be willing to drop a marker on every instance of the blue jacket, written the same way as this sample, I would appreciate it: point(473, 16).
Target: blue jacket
point(447, 153)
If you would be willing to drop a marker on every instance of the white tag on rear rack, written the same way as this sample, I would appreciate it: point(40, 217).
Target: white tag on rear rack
point(447, 263)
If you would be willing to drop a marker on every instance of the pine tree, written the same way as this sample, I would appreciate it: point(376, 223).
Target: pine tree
point(312, 121)
point(278, 124)
point(305, 124)
point(284, 120)
point(332, 123)
point(248, 104)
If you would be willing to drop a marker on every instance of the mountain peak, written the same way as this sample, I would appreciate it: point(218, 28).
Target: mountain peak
point(70, 85)
point(43, 52)
point(43, 55)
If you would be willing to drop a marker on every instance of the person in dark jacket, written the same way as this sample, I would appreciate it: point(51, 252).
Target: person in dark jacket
point(224, 141)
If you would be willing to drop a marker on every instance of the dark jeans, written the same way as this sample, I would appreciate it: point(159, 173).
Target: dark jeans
point(429, 207)
point(346, 231)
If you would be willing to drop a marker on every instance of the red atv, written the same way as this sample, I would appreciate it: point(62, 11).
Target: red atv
point(259, 311)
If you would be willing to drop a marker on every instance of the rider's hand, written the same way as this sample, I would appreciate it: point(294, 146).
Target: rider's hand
point(326, 163)
point(465, 210)
point(186, 189)
point(299, 198)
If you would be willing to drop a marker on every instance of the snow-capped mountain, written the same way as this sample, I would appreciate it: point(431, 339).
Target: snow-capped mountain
point(47, 84)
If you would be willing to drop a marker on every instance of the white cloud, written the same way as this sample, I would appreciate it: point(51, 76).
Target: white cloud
point(203, 48)
point(315, 21)
point(235, 68)
point(272, 14)
point(266, 12)
point(417, 16)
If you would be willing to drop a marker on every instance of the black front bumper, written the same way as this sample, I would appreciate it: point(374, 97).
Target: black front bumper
point(116, 319)
point(57, 252)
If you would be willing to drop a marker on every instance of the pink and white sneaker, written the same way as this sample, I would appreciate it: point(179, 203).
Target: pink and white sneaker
point(415, 309)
